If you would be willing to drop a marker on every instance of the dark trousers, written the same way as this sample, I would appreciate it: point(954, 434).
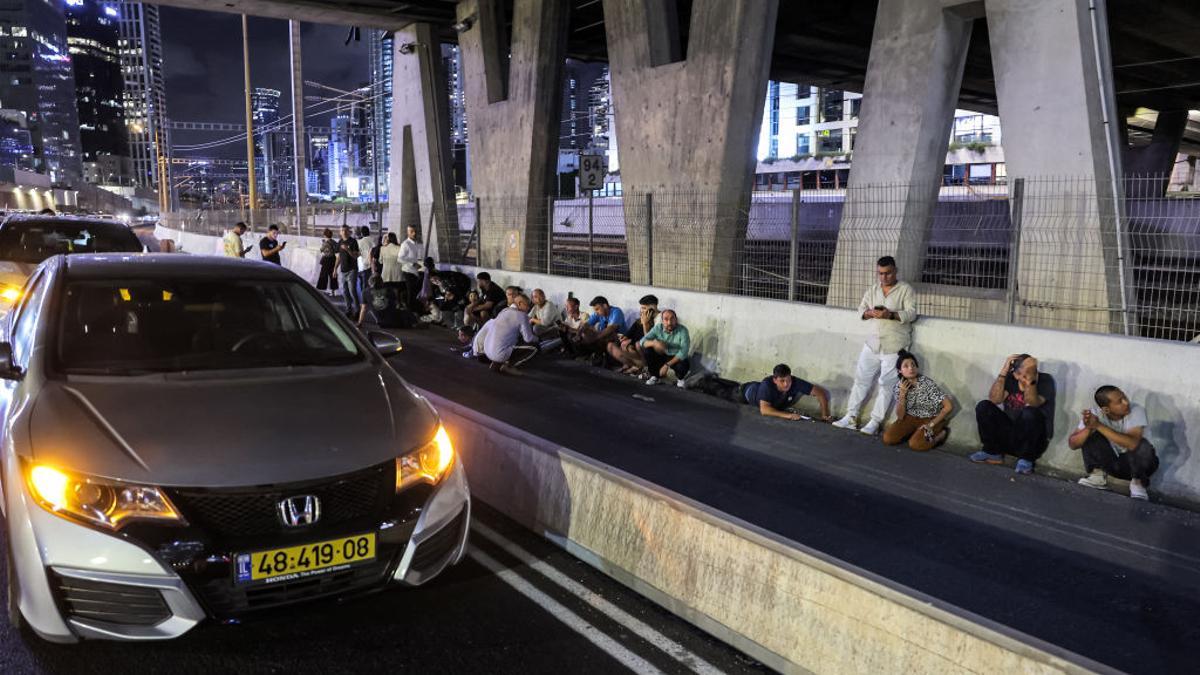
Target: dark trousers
point(327, 278)
point(655, 362)
point(412, 288)
point(1139, 463)
point(1024, 437)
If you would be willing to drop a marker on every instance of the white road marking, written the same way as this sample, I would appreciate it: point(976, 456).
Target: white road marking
point(594, 635)
point(665, 644)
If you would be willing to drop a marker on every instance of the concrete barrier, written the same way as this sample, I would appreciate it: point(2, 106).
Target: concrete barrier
point(790, 607)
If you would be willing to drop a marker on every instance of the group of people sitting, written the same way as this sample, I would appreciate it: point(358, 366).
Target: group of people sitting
point(506, 328)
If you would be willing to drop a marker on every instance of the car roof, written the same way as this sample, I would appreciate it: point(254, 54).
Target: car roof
point(100, 266)
point(19, 218)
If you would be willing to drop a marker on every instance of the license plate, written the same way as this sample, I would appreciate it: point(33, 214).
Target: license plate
point(300, 562)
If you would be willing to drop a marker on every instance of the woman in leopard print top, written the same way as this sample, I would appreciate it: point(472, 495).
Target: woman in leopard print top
point(921, 408)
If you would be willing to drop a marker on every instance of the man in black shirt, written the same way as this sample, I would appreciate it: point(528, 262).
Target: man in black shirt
point(270, 247)
point(774, 396)
point(347, 263)
point(490, 297)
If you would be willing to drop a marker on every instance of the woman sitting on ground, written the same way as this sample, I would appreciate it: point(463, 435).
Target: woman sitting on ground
point(921, 408)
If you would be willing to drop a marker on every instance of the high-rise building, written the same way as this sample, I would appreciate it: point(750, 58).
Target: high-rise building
point(382, 60)
point(272, 147)
point(576, 129)
point(16, 144)
point(452, 67)
point(350, 157)
point(318, 160)
point(93, 42)
point(145, 95)
point(38, 82)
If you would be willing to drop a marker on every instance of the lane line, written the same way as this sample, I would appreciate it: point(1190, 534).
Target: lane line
point(594, 635)
point(643, 630)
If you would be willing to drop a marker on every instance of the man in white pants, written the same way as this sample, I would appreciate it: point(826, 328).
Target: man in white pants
point(891, 307)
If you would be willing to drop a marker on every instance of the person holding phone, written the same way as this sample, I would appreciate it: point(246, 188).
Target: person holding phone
point(270, 247)
point(1017, 418)
point(922, 408)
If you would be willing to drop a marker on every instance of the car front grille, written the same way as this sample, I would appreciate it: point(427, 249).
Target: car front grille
point(433, 551)
point(223, 598)
point(111, 603)
point(248, 512)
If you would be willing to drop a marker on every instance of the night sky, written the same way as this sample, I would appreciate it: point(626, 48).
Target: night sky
point(202, 61)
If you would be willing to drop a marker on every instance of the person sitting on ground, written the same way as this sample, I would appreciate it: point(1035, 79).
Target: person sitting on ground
point(383, 302)
point(571, 330)
point(665, 349)
point(466, 341)
point(604, 326)
point(1113, 439)
point(1018, 416)
point(511, 293)
point(921, 408)
point(544, 315)
point(624, 350)
point(479, 312)
point(499, 341)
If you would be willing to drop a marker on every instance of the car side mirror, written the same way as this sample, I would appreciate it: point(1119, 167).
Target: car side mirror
point(8, 369)
point(386, 343)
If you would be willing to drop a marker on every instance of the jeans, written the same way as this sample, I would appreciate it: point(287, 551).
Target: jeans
point(1139, 463)
point(1024, 437)
point(871, 366)
point(350, 291)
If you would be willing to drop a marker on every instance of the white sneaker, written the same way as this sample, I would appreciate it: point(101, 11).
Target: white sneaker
point(846, 422)
point(871, 428)
point(652, 380)
point(1097, 480)
point(1138, 491)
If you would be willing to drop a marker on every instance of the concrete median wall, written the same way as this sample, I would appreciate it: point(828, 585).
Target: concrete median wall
point(790, 607)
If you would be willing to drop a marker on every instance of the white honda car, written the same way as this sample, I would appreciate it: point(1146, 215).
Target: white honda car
point(196, 438)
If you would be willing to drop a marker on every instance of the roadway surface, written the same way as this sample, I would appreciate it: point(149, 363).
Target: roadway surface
point(515, 605)
point(1094, 572)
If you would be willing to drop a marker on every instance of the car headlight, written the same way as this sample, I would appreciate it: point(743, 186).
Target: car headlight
point(97, 501)
point(426, 464)
point(10, 293)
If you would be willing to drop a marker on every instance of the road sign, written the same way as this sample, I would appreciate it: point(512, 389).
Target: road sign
point(592, 172)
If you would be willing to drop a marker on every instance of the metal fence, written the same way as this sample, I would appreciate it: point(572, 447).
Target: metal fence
point(1052, 252)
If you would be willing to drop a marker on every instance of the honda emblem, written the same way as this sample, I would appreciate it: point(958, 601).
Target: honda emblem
point(300, 511)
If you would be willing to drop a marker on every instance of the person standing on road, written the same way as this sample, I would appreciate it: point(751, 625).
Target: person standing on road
point(1113, 439)
point(410, 259)
point(1018, 416)
point(891, 307)
point(368, 260)
point(270, 247)
point(389, 260)
point(348, 256)
point(327, 277)
point(233, 241)
point(921, 408)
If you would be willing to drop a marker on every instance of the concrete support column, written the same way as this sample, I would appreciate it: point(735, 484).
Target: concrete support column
point(688, 131)
point(1145, 165)
point(914, 74)
point(512, 95)
point(420, 185)
point(1062, 130)
point(298, 136)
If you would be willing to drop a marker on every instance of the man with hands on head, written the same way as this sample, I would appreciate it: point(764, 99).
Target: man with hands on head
point(1018, 416)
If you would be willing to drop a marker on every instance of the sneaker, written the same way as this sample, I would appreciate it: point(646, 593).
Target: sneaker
point(1138, 491)
point(652, 380)
point(1024, 467)
point(982, 457)
point(871, 428)
point(1095, 479)
point(846, 422)
point(682, 384)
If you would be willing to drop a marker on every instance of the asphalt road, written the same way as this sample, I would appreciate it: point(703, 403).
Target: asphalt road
point(1096, 573)
point(541, 612)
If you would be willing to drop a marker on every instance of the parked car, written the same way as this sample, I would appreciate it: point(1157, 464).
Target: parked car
point(27, 240)
point(196, 437)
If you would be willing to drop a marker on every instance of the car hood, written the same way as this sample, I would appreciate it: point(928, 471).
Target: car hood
point(200, 431)
point(15, 273)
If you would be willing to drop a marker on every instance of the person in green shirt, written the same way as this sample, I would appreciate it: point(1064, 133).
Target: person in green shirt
point(666, 348)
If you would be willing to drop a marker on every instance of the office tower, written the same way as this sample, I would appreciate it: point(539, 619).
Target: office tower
point(93, 42)
point(145, 95)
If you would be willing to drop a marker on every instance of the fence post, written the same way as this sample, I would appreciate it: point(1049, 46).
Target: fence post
point(649, 239)
point(794, 248)
point(549, 233)
point(478, 233)
point(591, 239)
point(1016, 205)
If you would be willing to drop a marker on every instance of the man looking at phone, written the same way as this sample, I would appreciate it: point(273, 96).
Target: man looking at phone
point(270, 247)
point(624, 349)
point(890, 305)
point(232, 242)
point(1113, 439)
point(1018, 416)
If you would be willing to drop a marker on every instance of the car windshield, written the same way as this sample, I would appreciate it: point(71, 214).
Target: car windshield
point(152, 326)
point(32, 241)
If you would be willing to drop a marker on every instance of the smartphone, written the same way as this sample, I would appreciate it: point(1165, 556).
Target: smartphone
point(880, 307)
point(928, 433)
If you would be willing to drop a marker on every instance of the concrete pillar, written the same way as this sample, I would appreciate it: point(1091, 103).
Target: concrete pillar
point(420, 187)
point(298, 136)
point(512, 95)
point(688, 131)
point(1146, 165)
point(914, 74)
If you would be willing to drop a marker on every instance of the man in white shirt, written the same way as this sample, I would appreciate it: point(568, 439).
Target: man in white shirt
point(366, 245)
point(891, 307)
point(499, 339)
point(544, 315)
point(1113, 439)
point(410, 257)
